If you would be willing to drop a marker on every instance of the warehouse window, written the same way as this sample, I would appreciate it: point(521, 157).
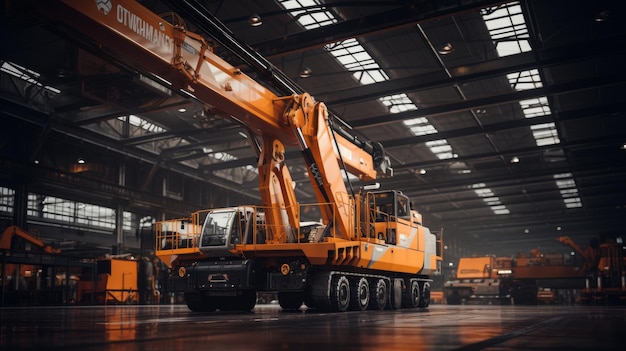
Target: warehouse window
point(76, 213)
point(7, 197)
point(146, 222)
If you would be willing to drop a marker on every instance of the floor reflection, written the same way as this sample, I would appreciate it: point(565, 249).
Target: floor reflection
point(267, 328)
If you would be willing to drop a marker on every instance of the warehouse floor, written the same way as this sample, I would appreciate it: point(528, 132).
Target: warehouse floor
point(440, 327)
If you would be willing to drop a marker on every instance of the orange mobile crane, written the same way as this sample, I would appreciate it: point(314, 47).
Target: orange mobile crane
point(605, 268)
point(370, 249)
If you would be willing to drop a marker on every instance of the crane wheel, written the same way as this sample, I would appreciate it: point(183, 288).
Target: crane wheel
point(360, 299)
point(198, 303)
point(379, 295)
point(290, 301)
point(248, 300)
point(340, 297)
point(411, 298)
point(424, 300)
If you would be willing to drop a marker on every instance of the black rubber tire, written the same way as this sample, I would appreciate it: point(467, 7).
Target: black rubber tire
point(247, 300)
point(379, 295)
point(198, 303)
point(340, 297)
point(425, 295)
point(290, 301)
point(360, 298)
point(412, 297)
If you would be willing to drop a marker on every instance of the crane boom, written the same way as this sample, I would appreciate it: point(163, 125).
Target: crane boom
point(183, 61)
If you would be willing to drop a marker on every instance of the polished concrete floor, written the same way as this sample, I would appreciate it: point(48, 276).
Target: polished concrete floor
point(440, 327)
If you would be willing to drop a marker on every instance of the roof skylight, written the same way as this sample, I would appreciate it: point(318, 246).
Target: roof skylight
point(142, 123)
point(441, 149)
point(524, 80)
point(507, 28)
point(350, 53)
point(568, 190)
point(535, 107)
point(506, 23)
point(26, 75)
point(399, 103)
point(309, 19)
point(490, 199)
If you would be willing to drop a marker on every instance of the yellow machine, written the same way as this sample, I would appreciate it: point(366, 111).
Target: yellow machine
point(369, 248)
point(116, 282)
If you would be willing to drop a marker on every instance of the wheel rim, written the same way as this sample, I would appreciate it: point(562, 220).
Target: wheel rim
point(343, 294)
point(415, 293)
point(361, 295)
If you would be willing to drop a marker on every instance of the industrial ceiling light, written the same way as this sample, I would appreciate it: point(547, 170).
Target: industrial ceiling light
point(514, 159)
point(306, 72)
point(602, 15)
point(80, 161)
point(182, 110)
point(255, 20)
point(422, 171)
point(446, 49)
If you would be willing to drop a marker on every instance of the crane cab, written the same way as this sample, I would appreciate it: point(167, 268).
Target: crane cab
point(226, 227)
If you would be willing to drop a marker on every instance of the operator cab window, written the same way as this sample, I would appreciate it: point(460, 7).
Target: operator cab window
point(216, 228)
point(403, 207)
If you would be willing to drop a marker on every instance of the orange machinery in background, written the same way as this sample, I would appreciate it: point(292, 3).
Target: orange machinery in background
point(120, 279)
point(116, 282)
point(15, 238)
point(596, 274)
point(33, 272)
point(605, 267)
point(519, 280)
point(479, 279)
point(537, 278)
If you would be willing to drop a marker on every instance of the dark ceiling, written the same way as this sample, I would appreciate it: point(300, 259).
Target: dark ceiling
point(513, 148)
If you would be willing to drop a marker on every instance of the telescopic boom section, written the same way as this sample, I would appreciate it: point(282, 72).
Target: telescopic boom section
point(184, 62)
